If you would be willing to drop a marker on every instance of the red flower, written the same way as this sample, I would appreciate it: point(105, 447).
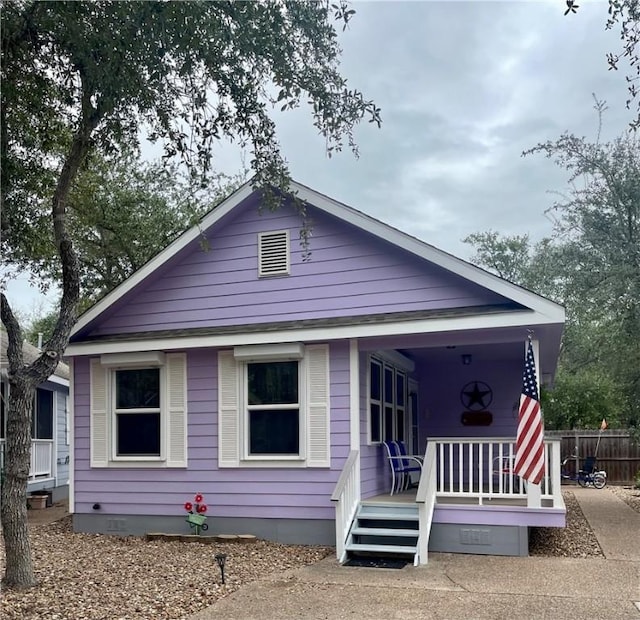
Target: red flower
point(188, 506)
point(198, 498)
point(202, 508)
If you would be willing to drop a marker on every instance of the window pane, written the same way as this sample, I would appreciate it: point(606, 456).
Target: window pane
point(273, 383)
point(375, 422)
point(138, 434)
point(376, 380)
point(274, 432)
point(400, 424)
point(388, 385)
point(138, 389)
point(42, 422)
point(388, 423)
point(400, 389)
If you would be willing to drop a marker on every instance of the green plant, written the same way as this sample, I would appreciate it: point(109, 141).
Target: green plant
point(636, 480)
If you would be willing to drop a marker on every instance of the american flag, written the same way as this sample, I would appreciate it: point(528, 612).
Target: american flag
point(529, 463)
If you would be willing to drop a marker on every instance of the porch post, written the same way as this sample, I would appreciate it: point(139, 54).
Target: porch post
point(534, 495)
point(354, 394)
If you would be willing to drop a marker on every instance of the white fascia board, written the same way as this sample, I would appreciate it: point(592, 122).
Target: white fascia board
point(428, 252)
point(169, 252)
point(58, 380)
point(316, 334)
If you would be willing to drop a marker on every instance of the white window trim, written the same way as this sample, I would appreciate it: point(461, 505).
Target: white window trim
point(386, 359)
point(113, 413)
point(302, 415)
point(370, 401)
point(270, 352)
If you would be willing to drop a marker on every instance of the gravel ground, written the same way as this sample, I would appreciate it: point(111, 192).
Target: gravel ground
point(577, 540)
point(93, 576)
point(90, 576)
point(629, 496)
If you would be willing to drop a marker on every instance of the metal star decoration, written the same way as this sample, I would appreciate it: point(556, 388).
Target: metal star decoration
point(476, 398)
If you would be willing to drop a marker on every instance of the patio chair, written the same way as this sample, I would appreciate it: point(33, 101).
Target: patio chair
point(400, 466)
point(503, 468)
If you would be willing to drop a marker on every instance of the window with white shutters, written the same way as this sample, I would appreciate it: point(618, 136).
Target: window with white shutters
point(274, 406)
point(139, 411)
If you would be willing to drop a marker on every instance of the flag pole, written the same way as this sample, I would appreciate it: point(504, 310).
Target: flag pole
point(603, 426)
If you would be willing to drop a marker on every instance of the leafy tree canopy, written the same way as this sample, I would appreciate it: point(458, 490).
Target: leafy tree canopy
point(190, 73)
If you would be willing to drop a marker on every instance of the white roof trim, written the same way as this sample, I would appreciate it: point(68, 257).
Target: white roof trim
point(546, 307)
point(319, 334)
point(58, 380)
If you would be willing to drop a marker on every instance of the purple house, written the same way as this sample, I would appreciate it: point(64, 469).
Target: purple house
point(235, 366)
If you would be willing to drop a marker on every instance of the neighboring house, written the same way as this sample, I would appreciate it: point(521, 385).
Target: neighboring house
point(235, 366)
point(50, 426)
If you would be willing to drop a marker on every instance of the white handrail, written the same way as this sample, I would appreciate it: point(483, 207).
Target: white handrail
point(426, 500)
point(347, 497)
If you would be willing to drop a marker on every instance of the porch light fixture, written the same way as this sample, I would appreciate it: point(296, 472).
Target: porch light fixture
point(466, 359)
point(221, 558)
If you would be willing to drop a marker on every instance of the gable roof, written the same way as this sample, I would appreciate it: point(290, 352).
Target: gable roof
point(548, 310)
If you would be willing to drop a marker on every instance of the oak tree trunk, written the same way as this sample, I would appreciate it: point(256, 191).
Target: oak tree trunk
point(13, 501)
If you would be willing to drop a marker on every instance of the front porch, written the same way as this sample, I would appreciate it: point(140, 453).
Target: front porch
point(467, 500)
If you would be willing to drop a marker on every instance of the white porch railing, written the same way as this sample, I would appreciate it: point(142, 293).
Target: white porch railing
point(347, 497)
point(41, 459)
point(482, 469)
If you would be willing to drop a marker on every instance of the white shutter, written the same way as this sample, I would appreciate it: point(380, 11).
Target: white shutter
point(98, 414)
point(176, 408)
point(228, 413)
point(318, 439)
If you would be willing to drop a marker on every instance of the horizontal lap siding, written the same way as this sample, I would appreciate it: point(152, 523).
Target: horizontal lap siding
point(267, 493)
point(349, 273)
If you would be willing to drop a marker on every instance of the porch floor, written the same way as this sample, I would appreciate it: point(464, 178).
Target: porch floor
point(409, 497)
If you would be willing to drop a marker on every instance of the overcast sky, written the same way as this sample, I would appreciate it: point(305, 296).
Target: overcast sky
point(464, 88)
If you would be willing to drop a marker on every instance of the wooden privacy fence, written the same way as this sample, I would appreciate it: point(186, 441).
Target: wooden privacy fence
point(617, 454)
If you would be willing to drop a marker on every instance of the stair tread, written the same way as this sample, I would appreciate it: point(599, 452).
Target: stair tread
point(382, 531)
point(381, 548)
point(388, 516)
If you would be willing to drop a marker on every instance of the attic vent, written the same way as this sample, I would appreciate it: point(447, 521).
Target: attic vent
point(273, 253)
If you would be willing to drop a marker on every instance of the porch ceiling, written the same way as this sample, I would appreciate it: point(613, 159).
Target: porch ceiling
point(483, 346)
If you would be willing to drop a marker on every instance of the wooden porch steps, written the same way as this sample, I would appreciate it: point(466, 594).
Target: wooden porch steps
point(386, 530)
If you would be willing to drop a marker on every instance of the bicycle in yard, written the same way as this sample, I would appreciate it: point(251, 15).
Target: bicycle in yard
point(588, 475)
